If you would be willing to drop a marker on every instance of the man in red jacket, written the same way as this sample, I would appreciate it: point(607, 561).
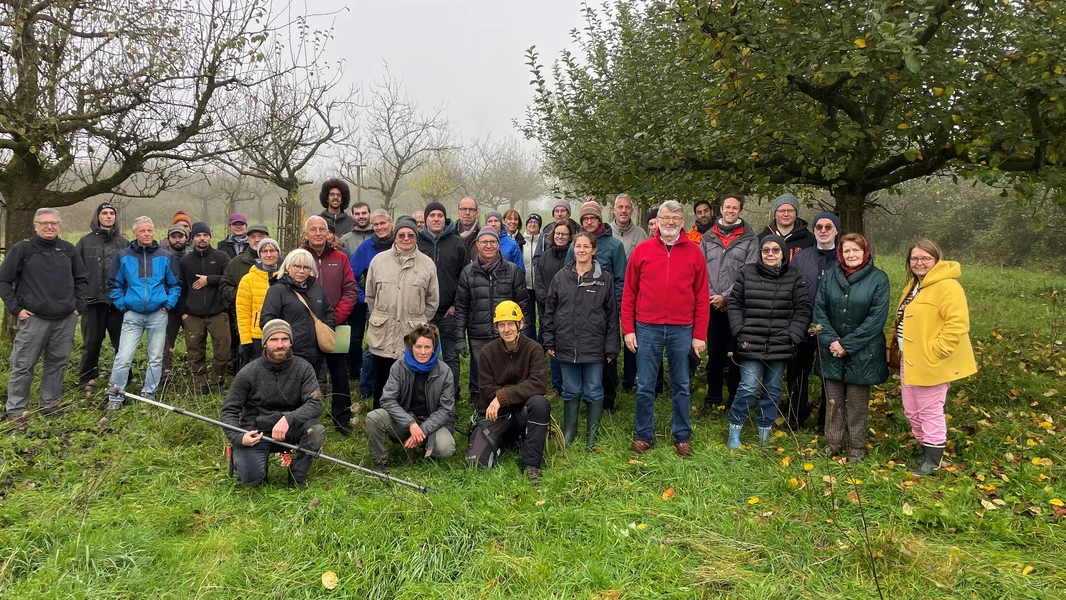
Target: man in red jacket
point(337, 280)
point(665, 306)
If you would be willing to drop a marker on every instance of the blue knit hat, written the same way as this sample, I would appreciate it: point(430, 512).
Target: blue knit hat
point(826, 215)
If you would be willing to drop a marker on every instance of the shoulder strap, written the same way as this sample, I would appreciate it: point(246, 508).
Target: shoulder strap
point(304, 302)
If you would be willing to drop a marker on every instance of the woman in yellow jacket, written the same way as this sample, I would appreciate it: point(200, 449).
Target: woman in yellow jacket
point(250, 294)
point(933, 337)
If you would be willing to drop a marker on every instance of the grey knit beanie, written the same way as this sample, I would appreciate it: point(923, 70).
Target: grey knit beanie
point(276, 326)
point(786, 199)
point(564, 204)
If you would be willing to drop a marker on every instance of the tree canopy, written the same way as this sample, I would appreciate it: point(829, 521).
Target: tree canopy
point(689, 99)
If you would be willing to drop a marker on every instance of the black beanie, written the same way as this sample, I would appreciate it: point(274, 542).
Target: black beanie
point(199, 227)
point(432, 206)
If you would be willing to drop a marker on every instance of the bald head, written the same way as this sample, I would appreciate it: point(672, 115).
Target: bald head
point(316, 232)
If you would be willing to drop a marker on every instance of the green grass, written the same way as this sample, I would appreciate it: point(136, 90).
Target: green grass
point(140, 506)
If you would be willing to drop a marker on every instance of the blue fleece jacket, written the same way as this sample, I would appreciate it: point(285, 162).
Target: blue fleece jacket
point(511, 251)
point(144, 279)
point(361, 263)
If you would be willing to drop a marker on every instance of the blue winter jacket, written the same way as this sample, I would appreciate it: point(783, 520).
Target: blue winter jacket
point(511, 251)
point(361, 263)
point(144, 279)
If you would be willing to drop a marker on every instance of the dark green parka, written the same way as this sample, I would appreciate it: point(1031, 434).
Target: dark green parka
point(853, 310)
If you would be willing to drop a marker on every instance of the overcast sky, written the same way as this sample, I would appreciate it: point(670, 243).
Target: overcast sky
point(468, 55)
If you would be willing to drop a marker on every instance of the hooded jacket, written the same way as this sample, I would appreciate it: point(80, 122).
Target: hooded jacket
point(611, 255)
point(798, 239)
point(360, 262)
point(630, 236)
point(852, 310)
point(251, 293)
point(236, 269)
point(336, 278)
point(581, 316)
point(511, 252)
point(401, 292)
point(546, 236)
point(45, 277)
point(936, 329)
point(354, 238)
point(667, 285)
point(281, 303)
point(698, 231)
point(97, 250)
point(260, 390)
point(232, 247)
point(769, 311)
point(551, 262)
point(440, 398)
point(206, 301)
point(449, 254)
point(144, 279)
point(343, 223)
point(724, 262)
point(478, 294)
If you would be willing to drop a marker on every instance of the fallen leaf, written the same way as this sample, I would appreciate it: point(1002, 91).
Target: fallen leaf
point(642, 527)
point(1055, 502)
point(829, 479)
point(852, 481)
point(861, 43)
point(1027, 570)
point(907, 510)
point(539, 503)
point(786, 461)
point(634, 461)
point(988, 505)
point(329, 580)
point(808, 466)
point(797, 484)
point(669, 493)
point(753, 500)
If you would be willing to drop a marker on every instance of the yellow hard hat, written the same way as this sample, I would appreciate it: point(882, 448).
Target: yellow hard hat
point(507, 311)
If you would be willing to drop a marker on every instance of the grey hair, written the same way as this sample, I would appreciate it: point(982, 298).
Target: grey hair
point(307, 223)
point(303, 256)
point(142, 219)
point(46, 211)
point(672, 206)
point(623, 197)
point(381, 212)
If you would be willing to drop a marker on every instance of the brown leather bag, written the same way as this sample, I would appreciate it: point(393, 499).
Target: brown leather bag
point(327, 340)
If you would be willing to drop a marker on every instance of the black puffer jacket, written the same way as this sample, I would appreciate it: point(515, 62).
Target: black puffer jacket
point(581, 316)
point(281, 303)
point(551, 262)
point(479, 293)
point(769, 311)
point(97, 250)
point(449, 253)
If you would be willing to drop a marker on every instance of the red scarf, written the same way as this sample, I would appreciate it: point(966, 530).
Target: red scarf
point(867, 255)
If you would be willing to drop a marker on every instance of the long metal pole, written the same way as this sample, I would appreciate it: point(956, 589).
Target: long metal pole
point(265, 438)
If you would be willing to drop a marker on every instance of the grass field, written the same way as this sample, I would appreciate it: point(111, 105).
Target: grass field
point(140, 506)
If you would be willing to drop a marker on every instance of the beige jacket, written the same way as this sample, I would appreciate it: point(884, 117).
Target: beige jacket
point(401, 292)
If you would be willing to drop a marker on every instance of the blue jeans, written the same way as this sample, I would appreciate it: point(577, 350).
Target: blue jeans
point(652, 340)
point(762, 380)
point(582, 380)
point(366, 377)
point(448, 352)
point(133, 325)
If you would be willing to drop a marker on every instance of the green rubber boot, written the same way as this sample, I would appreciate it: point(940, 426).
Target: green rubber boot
point(592, 419)
point(570, 411)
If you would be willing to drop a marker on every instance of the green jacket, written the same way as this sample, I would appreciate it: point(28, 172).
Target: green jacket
point(853, 310)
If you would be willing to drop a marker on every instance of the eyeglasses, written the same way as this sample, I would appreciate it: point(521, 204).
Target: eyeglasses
point(922, 259)
point(671, 219)
point(770, 251)
point(824, 227)
point(786, 211)
point(335, 195)
point(405, 236)
point(488, 243)
point(47, 223)
point(467, 210)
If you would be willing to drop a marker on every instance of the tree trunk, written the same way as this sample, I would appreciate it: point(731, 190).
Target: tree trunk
point(851, 208)
point(19, 225)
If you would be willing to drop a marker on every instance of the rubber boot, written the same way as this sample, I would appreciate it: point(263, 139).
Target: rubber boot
point(570, 410)
point(592, 420)
point(931, 461)
point(764, 435)
point(734, 436)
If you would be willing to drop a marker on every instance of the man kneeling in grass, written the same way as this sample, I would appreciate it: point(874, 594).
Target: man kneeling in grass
point(511, 405)
point(275, 394)
point(418, 402)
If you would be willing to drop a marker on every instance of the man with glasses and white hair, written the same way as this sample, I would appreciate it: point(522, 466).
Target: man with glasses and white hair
point(44, 284)
point(665, 306)
point(145, 285)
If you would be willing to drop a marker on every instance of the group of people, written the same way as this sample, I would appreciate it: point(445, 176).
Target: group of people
point(767, 307)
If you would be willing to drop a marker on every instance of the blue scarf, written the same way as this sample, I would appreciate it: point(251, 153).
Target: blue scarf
point(418, 367)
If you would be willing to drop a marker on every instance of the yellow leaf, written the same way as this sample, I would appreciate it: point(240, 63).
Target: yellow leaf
point(1027, 570)
point(903, 126)
point(786, 461)
point(329, 580)
point(540, 503)
point(669, 493)
point(852, 481)
point(797, 483)
point(860, 43)
point(907, 510)
point(1055, 502)
point(938, 91)
point(642, 527)
point(1050, 393)
point(634, 461)
point(988, 505)
point(808, 466)
point(829, 479)
point(753, 500)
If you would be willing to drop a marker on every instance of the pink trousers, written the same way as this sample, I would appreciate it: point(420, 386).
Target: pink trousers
point(924, 407)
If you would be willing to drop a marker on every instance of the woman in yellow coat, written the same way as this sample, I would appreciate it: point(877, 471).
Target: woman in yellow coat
point(250, 294)
point(933, 336)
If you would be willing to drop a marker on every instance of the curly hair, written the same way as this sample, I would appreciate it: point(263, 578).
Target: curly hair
point(346, 194)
